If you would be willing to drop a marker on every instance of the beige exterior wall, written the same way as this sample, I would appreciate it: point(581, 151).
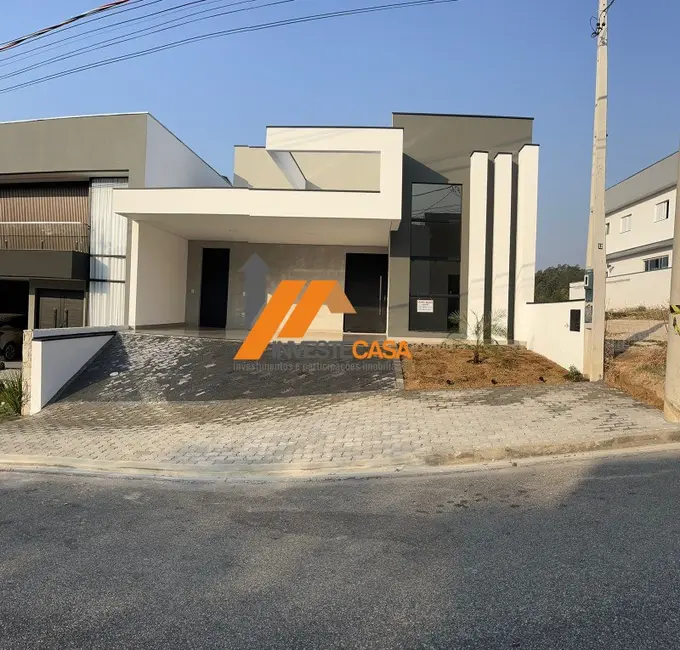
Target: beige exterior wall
point(285, 261)
point(337, 170)
point(254, 167)
point(340, 170)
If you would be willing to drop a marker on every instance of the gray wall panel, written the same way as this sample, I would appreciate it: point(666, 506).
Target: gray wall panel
point(437, 149)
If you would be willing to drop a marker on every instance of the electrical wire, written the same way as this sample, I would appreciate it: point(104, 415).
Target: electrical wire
point(63, 25)
point(55, 45)
point(146, 31)
point(221, 33)
point(452, 189)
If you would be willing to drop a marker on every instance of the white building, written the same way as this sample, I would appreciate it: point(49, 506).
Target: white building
point(640, 218)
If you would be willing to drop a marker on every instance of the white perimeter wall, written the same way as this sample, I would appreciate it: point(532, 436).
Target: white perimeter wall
point(170, 163)
point(158, 276)
point(550, 336)
point(54, 362)
point(651, 289)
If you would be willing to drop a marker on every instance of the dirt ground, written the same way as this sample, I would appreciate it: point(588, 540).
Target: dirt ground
point(640, 371)
point(438, 367)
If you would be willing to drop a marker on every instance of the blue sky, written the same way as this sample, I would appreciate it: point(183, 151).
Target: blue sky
point(502, 57)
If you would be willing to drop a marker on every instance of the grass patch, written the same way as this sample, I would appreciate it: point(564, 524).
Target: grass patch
point(639, 313)
point(641, 372)
point(451, 366)
point(11, 394)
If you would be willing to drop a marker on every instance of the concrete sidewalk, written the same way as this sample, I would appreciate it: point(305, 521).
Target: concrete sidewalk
point(324, 434)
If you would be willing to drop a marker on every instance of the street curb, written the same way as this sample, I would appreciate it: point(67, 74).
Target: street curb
point(406, 465)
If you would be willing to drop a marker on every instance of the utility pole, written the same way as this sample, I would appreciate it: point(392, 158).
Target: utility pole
point(596, 255)
point(671, 406)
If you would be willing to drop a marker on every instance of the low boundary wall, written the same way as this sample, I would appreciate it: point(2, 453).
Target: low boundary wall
point(52, 357)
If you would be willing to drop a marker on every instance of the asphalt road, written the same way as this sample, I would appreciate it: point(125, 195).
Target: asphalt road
point(563, 555)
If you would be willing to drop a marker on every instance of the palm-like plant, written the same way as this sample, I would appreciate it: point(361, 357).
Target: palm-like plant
point(480, 327)
point(11, 394)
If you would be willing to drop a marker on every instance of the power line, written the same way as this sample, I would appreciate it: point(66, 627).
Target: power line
point(228, 32)
point(46, 30)
point(55, 45)
point(140, 33)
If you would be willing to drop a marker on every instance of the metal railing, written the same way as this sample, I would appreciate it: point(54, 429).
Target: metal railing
point(26, 242)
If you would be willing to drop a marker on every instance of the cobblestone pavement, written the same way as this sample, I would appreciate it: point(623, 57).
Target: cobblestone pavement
point(361, 427)
point(138, 367)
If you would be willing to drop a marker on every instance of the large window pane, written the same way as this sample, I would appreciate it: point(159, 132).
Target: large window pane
point(435, 277)
point(440, 239)
point(430, 198)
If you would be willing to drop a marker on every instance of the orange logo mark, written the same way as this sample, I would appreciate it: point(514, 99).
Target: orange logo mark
point(318, 293)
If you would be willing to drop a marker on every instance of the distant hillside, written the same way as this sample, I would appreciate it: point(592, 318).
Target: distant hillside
point(552, 284)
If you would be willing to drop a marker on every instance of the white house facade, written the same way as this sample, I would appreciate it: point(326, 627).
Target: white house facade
point(432, 215)
point(640, 222)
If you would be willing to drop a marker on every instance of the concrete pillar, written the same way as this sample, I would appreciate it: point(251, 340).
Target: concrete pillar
point(671, 408)
point(502, 216)
point(525, 260)
point(479, 178)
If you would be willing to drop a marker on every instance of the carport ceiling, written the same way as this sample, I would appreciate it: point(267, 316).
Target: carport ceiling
point(273, 230)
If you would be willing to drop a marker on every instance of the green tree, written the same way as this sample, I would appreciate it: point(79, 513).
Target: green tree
point(552, 284)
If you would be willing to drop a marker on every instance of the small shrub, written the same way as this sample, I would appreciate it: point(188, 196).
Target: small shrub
point(480, 327)
point(11, 394)
point(575, 374)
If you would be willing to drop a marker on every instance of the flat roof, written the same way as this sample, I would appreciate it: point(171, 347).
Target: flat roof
point(654, 179)
point(72, 117)
point(491, 117)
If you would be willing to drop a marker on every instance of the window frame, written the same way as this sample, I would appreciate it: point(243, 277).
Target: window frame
point(445, 218)
point(661, 266)
point(667, 211)
point(626, 218)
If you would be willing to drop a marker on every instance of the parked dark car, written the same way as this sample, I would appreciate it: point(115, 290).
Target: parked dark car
point(12, 328)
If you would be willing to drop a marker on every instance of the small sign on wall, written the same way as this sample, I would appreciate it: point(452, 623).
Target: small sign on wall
point(425, 306)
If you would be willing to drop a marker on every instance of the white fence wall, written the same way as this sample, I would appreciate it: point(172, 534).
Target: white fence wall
point(650, 289)
point(108, 250)
point(549, 334)
point(56, 356)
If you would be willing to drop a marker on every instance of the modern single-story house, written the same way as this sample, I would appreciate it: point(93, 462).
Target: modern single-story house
point(432, 215)
point(639, 226)
point(63, 250)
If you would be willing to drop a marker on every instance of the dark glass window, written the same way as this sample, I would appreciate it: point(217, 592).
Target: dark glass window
point(436, 215)
point(574, 320)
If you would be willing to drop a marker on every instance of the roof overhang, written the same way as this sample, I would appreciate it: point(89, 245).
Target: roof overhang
point(260, 216)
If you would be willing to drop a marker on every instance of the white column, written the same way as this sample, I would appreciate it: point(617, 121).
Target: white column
point(502, 215)
point(527, 215)
point(479, 178)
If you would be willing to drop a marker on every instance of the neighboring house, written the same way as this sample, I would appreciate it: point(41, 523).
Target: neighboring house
point(63, 250)
point(640, 220)
point(432, 215)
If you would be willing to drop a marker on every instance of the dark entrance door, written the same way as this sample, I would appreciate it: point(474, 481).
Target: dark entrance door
point(366, 288)
point(214, 287)
point(60, 308)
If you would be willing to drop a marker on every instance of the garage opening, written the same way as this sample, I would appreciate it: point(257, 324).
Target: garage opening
point(13, 317)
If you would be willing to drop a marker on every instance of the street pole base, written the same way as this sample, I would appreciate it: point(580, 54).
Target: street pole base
point(671, 413)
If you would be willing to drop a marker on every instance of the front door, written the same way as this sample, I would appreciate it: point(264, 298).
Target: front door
point(366, 289)
point(214, 287)
point(60, 308)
